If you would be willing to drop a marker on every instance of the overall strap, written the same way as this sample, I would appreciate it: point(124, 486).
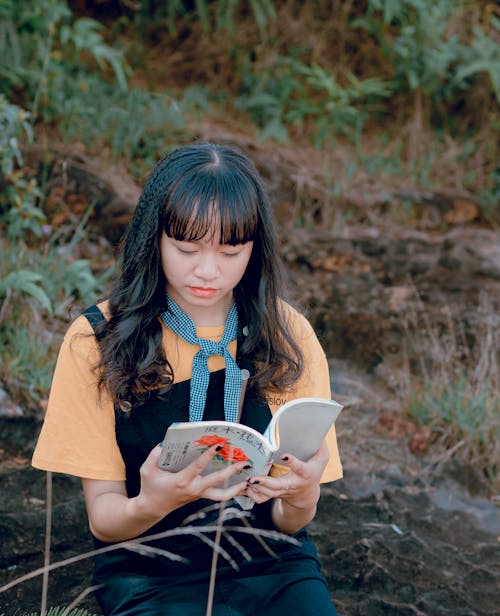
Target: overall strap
point(95, 317)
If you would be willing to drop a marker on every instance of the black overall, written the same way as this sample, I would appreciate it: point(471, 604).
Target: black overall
point(255, 574)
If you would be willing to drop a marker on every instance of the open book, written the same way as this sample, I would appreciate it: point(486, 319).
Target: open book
point(298, 427)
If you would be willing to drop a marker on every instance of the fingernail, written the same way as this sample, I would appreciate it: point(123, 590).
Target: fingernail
point(218, 448)
point(252, 481)
point(247, 467)
point(285, 458)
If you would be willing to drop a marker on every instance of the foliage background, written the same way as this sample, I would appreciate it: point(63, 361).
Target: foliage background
point(397, 96)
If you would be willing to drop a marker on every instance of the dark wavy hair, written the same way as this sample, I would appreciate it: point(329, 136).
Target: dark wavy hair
point(179, 198)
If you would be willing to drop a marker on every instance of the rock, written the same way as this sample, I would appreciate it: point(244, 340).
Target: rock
point(7, 406)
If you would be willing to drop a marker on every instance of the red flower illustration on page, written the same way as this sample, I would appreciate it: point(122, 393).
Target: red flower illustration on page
point(229, 453)
point(211, 439)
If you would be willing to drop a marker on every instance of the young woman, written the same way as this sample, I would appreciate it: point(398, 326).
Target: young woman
point(198, 299)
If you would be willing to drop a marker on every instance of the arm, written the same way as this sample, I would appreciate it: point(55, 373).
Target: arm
point(115, 517)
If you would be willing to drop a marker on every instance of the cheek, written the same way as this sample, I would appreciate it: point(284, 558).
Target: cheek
point(170, 264)
point(242, 269)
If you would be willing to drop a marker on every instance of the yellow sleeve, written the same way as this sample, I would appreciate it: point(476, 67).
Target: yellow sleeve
point(78, 433)
point(314, 383)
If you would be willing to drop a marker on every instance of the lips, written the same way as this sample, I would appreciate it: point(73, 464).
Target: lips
point(202, 291)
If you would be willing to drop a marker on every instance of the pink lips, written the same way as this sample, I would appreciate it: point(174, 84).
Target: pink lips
point(202, 291)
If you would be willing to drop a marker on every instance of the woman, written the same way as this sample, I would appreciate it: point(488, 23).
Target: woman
point(199, 298)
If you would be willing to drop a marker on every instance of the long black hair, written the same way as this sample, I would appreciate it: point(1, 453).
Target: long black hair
point(179, 198)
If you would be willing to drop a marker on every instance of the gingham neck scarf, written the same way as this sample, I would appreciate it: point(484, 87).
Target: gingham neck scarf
point(182, 325)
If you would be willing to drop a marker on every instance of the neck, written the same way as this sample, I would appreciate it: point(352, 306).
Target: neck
point(207, 316)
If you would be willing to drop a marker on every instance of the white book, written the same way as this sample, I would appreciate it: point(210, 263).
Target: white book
point(298, 427)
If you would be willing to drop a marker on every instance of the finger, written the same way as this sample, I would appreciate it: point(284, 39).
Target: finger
point(224, 494)
point(200, 464)
point(257, 494)
point(308, 469)
point(321, 456)
point(224, 475)
point(153, 457)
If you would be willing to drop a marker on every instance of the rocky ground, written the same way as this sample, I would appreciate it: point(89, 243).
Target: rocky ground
point(399, 534)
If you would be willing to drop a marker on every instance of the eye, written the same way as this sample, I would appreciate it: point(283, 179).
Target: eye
point(186, 248)
point(227, 253)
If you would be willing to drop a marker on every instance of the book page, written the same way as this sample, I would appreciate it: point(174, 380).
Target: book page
point(301, 425)
point(184, 442)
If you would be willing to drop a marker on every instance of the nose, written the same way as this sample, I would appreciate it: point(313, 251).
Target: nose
point(207, 267)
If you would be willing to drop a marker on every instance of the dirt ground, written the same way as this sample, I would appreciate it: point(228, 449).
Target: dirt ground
point(399, 534)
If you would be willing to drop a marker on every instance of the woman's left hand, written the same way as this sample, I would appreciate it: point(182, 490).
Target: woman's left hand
point(298, 490)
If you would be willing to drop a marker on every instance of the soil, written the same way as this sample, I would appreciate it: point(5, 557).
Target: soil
point(407, 530)
point(400, 534)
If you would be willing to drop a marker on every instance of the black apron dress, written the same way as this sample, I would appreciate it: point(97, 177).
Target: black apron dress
point(255, 574)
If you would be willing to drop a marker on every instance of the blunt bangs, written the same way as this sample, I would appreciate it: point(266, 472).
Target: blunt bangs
point(213, 201)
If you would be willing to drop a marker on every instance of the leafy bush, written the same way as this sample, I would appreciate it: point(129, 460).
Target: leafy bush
point(136, 126)
point(427, 54)
point(42, 46)
point(19, 194)
point(291, 93)
point(39, 277)
point(219, 15)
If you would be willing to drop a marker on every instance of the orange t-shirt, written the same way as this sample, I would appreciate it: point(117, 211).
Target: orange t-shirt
point(78, 433)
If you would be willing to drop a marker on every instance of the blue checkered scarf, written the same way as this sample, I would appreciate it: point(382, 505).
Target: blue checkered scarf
point(182, 325)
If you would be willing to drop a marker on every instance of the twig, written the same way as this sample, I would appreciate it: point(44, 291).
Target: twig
point(80, 597)
point(185, 530)
point(215, 556)
point(150, 550)
point(48, 540)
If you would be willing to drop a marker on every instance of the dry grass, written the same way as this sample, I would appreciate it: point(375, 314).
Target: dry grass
point(454, 386)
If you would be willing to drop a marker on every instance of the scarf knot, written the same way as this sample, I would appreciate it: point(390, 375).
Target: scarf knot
point(182, 325)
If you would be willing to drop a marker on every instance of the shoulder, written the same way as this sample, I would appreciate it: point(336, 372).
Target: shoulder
point(82, 323)
point(299, 325)
point(80, 336)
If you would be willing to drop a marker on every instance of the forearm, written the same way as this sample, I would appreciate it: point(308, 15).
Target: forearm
point(115, 517)
point(289, 518)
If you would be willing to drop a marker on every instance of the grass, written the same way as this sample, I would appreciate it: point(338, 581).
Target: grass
point(455, 388)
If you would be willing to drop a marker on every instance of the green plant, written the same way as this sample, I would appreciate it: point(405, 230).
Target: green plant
point(220, 14)
point(19, 212)
point(42, 46)
point(482, 56)
point(428, 57)
point(291, 93)
point(38, 283)
point(28, 361)
point(136, 126)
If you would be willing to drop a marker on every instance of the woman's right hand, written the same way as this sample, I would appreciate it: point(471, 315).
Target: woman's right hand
point(113, 516)
point(163, 491)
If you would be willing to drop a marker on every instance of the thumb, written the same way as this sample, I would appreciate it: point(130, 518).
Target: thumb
point(153, 457)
